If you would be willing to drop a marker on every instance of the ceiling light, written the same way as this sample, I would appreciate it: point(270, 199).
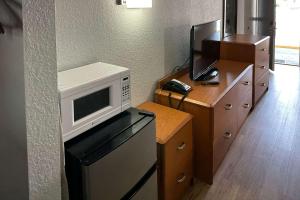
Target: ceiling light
point(136, 3)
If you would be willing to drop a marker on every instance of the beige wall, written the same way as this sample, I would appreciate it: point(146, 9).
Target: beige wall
point(148, 41)
point(206, 10)
point(42, 112)
point(151, 42)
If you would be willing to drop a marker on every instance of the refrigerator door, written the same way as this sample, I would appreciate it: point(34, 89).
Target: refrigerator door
point(112, 176)
point(149, 190)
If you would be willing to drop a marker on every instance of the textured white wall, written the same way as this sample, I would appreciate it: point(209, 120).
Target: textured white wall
point(206, 10)
point(148, 41)
point(151, 42)
point(13, 143)
point(177, 20)
point(93, 30)
point(40, 69)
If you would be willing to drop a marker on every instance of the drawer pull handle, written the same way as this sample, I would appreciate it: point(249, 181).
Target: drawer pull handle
point(263, 49)
point(227, 135)
point(246, 83)
point(181, 147)
point(228, 106)
point(263, 67)
point(246, 105)
point(263, 84)
point(181, 179)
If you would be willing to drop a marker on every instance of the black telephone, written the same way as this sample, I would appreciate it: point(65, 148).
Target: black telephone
point(175, 85)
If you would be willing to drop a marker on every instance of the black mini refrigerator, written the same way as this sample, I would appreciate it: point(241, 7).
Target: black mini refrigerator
point(115, 160)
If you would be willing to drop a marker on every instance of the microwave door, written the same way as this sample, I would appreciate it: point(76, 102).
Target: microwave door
point(91, 103)
point(83, 111)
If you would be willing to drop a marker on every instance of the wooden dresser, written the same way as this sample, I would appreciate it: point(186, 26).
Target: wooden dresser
point(175, 150)
point(218, 112)
point(253, 49)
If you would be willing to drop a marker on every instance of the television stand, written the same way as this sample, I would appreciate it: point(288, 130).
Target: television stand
point(212, 73)
point(218, 112)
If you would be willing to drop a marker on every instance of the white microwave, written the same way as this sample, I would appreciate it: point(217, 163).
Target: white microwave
point(90, 95)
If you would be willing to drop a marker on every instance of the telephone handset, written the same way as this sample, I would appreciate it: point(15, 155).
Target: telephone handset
point(175, 85)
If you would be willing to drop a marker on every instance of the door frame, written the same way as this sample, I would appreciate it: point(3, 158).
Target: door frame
point(224, 18)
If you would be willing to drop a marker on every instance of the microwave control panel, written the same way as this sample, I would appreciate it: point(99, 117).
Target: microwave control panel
point(125, 89)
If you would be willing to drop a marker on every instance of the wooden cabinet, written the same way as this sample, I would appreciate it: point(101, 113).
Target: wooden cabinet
point(224, 126)
point(218, 112)
point(177, 163)
point(229, 115)
point(175, 150)
point(261, 85)
point(225, 123)
point(245, 103)
point(253, 49)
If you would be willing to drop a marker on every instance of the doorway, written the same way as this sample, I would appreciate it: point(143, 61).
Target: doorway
point(258, 19)
point(230, 17)
point(287, 40)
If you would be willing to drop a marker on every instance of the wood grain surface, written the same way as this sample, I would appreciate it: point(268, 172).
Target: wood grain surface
point(202, 136)
point(208, 96)
point(178, 164)
point(168, 120)
point(175, 150)
point(263, 162)
point(249, 48)
point(245, 39)
point(205, 126)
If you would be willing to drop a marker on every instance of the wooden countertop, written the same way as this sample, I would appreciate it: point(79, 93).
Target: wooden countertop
point(245, 39)
point(168, 120)
point(208, 96)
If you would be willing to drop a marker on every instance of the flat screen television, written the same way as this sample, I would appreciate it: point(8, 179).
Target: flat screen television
point(204, 48)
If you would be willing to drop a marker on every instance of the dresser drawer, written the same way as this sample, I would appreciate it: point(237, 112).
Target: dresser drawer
point(178, 183)
point(225, 114)
point(260, 70)
point(178, 163)
point(174, 136)
point(245, 97)
point(262, 54)
point(244, 108)
point(179, 148)
point(245, 84)
point(260, 86)
point(263, 46)
point(220, 149)
point(262, 59)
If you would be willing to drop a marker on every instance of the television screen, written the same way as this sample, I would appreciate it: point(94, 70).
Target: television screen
point(204, 47)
